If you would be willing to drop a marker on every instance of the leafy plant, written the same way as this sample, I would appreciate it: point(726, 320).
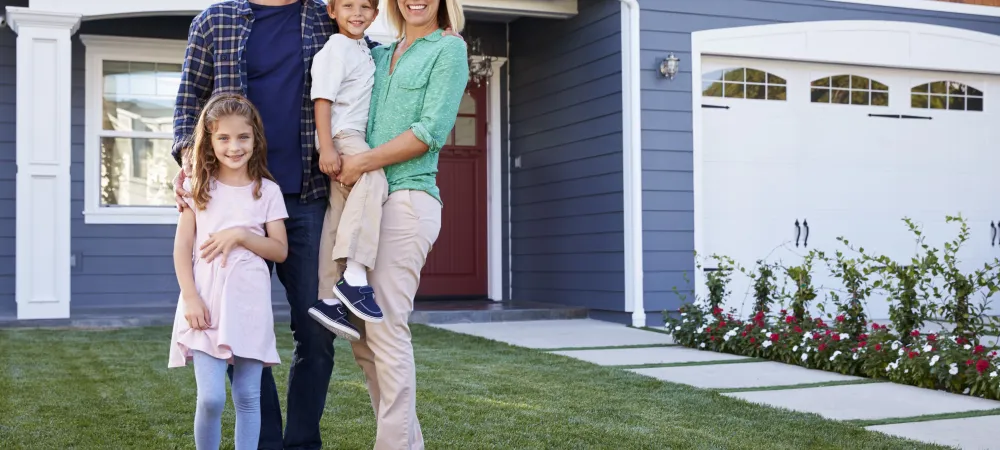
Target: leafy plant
point(805, 292)
point(854, 275)
point(764, 287)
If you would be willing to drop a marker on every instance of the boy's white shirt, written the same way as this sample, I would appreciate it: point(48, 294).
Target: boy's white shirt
point(343, 72)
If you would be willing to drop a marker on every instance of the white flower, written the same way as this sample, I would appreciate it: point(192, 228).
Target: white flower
point(768, 335)
point(685, 321)
point(895, 345)
point(901, 352)
point(765, 332)
point(966, 391)
point(993, 374)
point(795, 349)
point(844, 336)
point(683, 314)
point(702, 345)
point(678, 328)
point(805, 356)
point(855, 356)
point(934, 360)
point(968, 347)
point(835, 355)
point(807, 337)
point(954, 369)
point(766, 344)
point(726, 338)
point(906, 371)
point(928, 348)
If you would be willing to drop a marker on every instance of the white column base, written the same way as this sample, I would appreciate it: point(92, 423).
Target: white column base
point(44, 67)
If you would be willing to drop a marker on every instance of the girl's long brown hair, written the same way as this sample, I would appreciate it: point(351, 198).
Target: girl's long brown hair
point(206, 165)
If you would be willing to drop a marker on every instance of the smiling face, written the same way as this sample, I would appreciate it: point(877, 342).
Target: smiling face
point(233, 142)
point(420, 13)
point(353, 17)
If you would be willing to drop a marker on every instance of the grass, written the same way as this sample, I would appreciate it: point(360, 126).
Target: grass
point(786, 387)
point(111, 389)
point(926, 418)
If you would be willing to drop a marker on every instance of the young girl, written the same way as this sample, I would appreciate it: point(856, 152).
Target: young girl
point(224, 311)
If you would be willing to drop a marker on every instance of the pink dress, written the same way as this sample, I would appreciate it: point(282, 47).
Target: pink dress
point(238, 296)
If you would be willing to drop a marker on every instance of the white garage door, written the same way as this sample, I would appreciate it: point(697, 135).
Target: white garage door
point(796, 154)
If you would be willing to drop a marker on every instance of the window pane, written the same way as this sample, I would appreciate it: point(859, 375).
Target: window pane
point(841, 96)
point(822, 82)
point(975, 104)
point(711, 89)
point(939, 87)
point(451, 138)
point(734, 90)
point(859, 82)
point(139, 96)
point(465, 131)
point(776, 92)
point(956, 103)
point(956, 88)
point(918, 101)
point(939, 102)
point(842, 81)
point(922, 88)
point(755, 76)
point(735, 75)
point(820, 95)
point(137, 172)
point(774, 79)
point(880, 99)
point(468, 105)
point(876, 86)
point(756, 91)
point(859, 98)
point(713, 76)
point(976, 92)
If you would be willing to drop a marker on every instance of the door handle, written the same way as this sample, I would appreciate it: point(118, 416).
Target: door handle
point(994, 235)
point(805, 242)
point(798, 231)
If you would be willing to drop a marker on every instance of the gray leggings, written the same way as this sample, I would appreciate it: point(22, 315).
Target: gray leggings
point(210, 374)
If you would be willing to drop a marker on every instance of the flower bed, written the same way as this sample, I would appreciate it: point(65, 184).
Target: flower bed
point(928, 287)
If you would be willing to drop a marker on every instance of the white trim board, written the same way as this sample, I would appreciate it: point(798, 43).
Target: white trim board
point(903, 45)
point(98, 49)
point(494, 194)
point(930, 5)
point(43, 147)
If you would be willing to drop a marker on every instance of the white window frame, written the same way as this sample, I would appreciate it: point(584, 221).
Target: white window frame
point(98, 50)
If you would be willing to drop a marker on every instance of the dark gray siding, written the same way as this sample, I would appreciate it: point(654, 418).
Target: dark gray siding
point(132, 265)
point(668, 202)
point(8, 160)
point(566, 122)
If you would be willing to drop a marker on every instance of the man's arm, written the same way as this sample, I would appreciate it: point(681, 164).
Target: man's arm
point(197, 78)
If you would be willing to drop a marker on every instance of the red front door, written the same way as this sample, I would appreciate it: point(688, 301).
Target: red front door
point(457, 264)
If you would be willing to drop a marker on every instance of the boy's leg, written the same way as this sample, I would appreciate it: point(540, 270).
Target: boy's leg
point(327, 310)
point(358, 232)
point(209, 374)
point(246, 400)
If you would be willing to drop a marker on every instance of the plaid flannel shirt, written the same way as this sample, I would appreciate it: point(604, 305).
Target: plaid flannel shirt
point(214, 64)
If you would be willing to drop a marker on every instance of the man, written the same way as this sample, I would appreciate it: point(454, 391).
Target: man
point(264, 49)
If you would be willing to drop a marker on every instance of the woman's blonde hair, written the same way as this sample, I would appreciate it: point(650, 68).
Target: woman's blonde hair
point(450, 14)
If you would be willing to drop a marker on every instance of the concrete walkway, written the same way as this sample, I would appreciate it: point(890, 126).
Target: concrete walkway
point(898, 407)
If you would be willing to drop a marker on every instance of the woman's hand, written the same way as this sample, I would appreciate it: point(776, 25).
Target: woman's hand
point(350, 169)
point(196, 313)
point(222, 243)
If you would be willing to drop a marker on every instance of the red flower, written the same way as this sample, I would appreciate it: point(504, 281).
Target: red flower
point(744, 334)
point(712, 338)
point(752, 340)
point(840, 318)
point(722, 324)
point(982, 365)
point(878, 347)
point(960, 340)
point(797, 329)
point(862, 337)
point(913, 355)
point(829, 332)
point(875, 326)
point(968, 363)
point(716, 310)
point(822, 347)
point(931, 337)
point(774, 337)
point(790, 319)
point(915, 333)
point(783, 312)
point(836, 337)
point(708, 330)
point(816, 336)
point(979, 349)
point(862, 344)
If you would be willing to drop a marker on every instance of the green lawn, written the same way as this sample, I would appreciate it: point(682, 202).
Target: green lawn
point(62, 389)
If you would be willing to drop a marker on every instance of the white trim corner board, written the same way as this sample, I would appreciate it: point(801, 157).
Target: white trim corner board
point(901, 45)
point(931, 5)
point(42, 222)
point(632, 161)
point(99, 49)
point(494, 196)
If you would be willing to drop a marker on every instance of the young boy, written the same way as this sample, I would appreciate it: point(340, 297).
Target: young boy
point(343, 74)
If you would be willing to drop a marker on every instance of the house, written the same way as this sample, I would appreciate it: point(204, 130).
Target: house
point(601, 143)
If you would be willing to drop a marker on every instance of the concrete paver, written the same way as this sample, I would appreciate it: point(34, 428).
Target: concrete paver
point(868, 401)
point(743, 375)
point(653, 355)
point(970, 433)
point(560, 333)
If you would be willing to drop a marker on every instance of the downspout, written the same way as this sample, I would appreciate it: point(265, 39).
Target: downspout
point(632, 164)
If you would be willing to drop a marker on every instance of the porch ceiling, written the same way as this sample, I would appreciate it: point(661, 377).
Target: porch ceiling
point(104, 9)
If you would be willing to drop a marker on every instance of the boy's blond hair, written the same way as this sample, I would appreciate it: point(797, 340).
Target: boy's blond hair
point(450, 14)
point(331, 3)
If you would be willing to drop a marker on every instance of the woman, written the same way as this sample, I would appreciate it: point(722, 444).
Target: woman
point(419, 83)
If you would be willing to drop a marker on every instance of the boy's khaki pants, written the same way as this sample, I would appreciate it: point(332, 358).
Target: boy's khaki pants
point(352, 221)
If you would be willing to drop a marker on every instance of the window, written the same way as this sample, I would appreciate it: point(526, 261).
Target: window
point(743, 83)
point(850, 90)
point(947, 95)
point(464, 132)
point(131, 86)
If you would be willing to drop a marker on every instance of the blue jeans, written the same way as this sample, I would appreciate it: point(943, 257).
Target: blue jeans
point(312, 360)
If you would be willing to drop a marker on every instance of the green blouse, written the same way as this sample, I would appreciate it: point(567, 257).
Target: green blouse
point(421, 94)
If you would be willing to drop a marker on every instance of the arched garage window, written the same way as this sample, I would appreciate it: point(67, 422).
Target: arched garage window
point(947, 95)
point(850, 90)
point(743, 82)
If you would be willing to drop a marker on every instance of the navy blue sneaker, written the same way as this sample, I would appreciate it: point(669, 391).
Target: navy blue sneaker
point(359, 299)
point(334, 318)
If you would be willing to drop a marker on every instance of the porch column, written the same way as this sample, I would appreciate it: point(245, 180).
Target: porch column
point(44, 59)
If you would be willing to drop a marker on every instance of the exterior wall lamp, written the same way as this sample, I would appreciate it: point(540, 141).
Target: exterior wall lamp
point(669, 66)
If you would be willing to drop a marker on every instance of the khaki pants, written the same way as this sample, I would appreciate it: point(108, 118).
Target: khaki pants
point(411, 221)
point(351, 224)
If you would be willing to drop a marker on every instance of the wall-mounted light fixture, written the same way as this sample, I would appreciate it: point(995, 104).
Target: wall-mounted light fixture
point(480, 64)
point(669, 66)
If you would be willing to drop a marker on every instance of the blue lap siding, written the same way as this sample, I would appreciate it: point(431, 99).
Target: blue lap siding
point(668, 201)
point(8, 159)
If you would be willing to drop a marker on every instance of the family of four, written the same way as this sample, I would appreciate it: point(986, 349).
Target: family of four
point(307, 148)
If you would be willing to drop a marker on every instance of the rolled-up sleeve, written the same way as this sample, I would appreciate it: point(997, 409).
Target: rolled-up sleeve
point(445, 88)
point(197, 77)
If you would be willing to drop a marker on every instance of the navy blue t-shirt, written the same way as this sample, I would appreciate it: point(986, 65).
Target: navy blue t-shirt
point(275, 75)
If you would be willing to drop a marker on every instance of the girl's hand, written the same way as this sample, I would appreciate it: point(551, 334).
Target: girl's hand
point(196, 313)
point(350, 170)
point(222, 243)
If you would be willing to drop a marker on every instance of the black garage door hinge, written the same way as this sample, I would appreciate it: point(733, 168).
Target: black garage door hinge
point(715, 106)
point(898, 116)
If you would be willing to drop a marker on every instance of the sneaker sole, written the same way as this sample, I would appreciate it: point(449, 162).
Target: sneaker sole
point(364, 316)
point(335, 327)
